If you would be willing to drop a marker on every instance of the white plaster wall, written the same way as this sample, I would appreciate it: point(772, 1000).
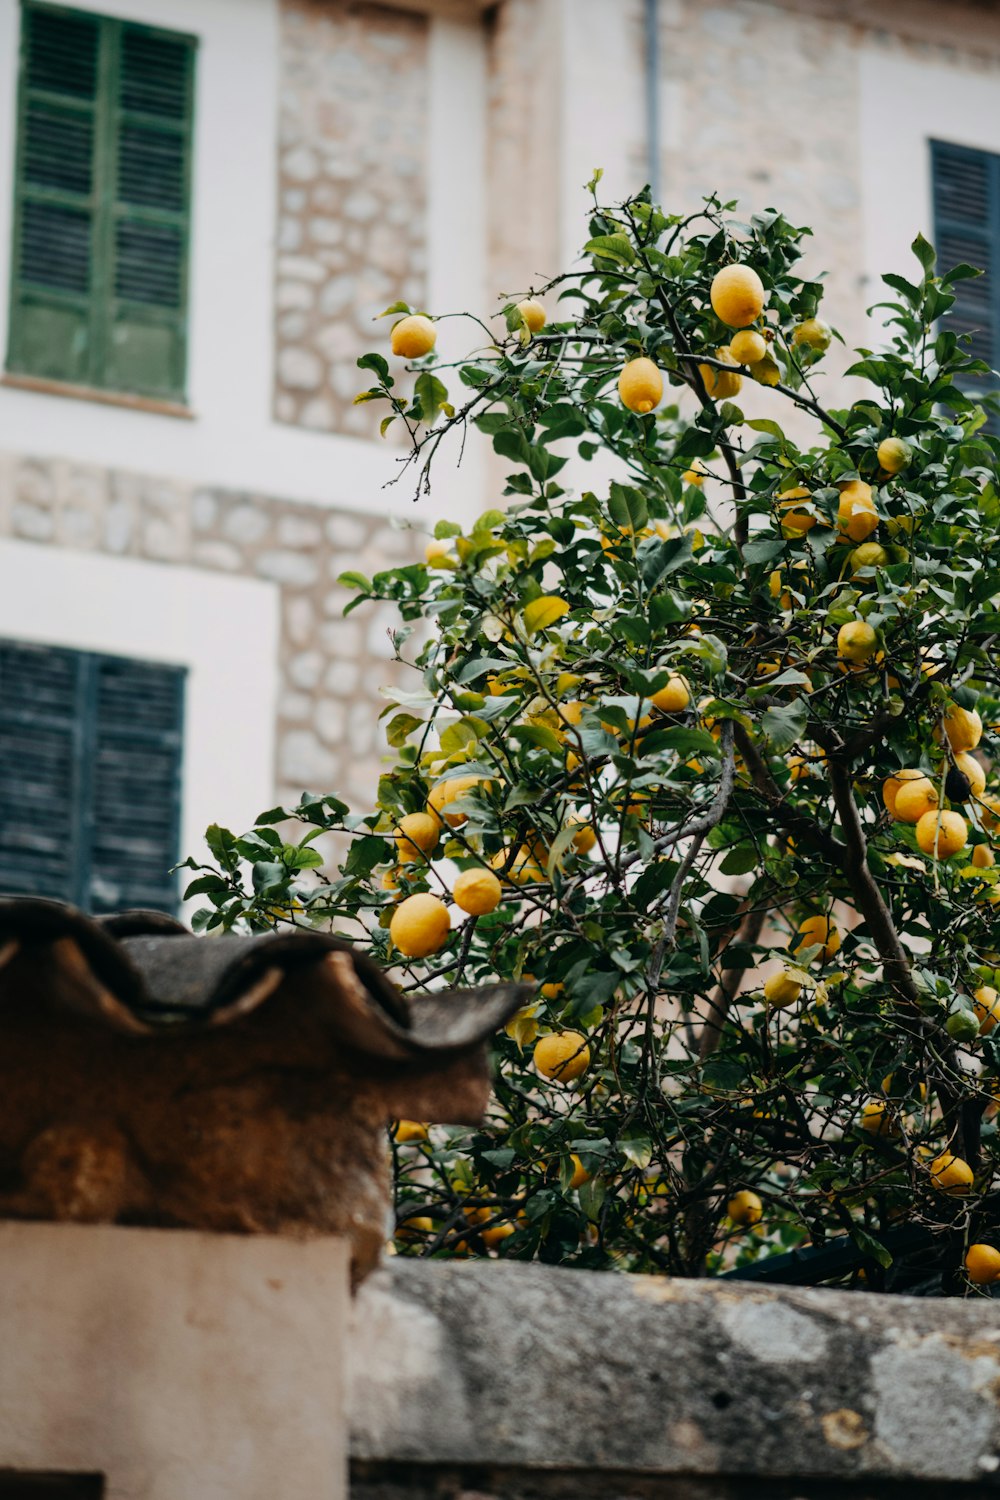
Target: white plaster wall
point(233, 440)
point(223, 629)
point(905, 104)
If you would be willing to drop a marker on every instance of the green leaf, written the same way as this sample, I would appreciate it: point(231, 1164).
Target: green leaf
point(870, 1246)
point(925, 253)
point(352, 580)
point(396, 307)
point(785, 724)
point(400, 728)
point(617, 247)
point(627, 508)
point(377, 363)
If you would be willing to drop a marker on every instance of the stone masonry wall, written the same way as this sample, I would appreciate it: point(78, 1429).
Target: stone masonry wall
point(352, 189)
point(329, 668)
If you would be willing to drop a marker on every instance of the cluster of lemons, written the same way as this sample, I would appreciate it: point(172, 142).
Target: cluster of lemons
point(415, 336)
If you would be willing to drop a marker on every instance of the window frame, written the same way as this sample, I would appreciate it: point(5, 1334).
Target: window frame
point(101, 307)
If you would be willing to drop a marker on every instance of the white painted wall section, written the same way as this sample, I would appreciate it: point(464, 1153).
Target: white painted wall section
point(223, 629)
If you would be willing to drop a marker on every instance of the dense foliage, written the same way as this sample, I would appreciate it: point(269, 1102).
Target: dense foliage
point(661, 712)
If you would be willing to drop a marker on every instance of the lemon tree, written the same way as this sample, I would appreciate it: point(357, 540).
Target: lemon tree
point(698, 741)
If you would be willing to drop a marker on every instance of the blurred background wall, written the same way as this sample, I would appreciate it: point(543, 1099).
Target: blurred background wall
point(203, 206)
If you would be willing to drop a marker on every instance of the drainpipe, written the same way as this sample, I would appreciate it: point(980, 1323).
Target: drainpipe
point(653, 97)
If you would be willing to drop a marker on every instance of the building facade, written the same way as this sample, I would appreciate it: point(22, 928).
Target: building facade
point(204, 204)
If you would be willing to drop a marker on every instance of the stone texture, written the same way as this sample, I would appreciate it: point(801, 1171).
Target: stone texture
point(321, 746)
point(180, 1366)
point(526, 1369)
point(352, 200)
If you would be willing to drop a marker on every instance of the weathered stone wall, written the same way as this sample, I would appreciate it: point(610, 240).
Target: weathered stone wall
point(513, 1382)
point(329, 668)
point(352, 200)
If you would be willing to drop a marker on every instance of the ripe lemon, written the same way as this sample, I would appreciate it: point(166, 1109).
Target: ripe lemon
point(640, 385)
point(950, 1174)
point(856, 513)
point(580, 1173)
point(436, 551)
point(766, 371)
point(497, 1232)
point(674, 697)
point(894, 454)
point(986, 1004)
point(413, 337)
point(819, 929)
point(983, 857)
point(794, 520)
point(420, 925)
point(855, 641)
point(552, 989)
point(405, 1131)
point(890, 791)
point(781, 992)
point(562, 1056)
point(968, 766)
point(914, 799)
point(814, 333)
point(390, 880)
point(695, 475)
point(721, 384)
point(942, 833)
point(877, 1119)
point(983, 1264)
point(747, 347)
point(745, 1207)
point(737, 295)
point(525, 868)
point(963, 726)
point(449, 791)
point(584, 840)
point(533, 313)
point(477, 892)
point(417, 834)
point(868, 555)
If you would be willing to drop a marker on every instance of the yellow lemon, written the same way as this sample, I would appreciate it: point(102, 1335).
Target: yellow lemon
point(963, 726)
point(497, 1232)
point(855, 641)
point(986, 1004)
point(640, 385)
point(814, 333)
point(950, 1174)
point(942, 833)
point(868, 555)
point(890, 791)
point(820, 930)
point(477, 892)
point(737, 295)
point(747, 347)
point(894, 454)
point(407, 1131)
point(745, 1207)
point(766, 371)
point(580, 1173)
point(982, 1264)
point(695, 475)
point(585, 839)
point(562, 1056)
point(416, 835)
point(533, 313)
point(856, 513)
point(722, 384)
point(973, 772)
point(449, 791)
point(674, 697)
point(794, 520)
point(413, 337)
point(983, 857)
point(780, 991)
point(876, 1118)
point(420, 925)
point(436, 551)
point(916, 797)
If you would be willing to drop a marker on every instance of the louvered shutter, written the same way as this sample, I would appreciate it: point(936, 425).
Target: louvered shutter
point(55, 221)
point(102, 203)
point(90, 777)
point(966, 190)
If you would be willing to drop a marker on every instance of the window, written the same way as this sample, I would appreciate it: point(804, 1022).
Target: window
point(90, 771)
point(102, 197)
point(966, 191)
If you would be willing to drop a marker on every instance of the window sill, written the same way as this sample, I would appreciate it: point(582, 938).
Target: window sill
point(94, 393)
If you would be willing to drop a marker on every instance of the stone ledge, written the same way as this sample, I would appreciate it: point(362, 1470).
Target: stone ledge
point(529, 1368)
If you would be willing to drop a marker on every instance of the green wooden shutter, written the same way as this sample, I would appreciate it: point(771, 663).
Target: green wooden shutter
point(90, 777)
point(966, 192)
point(102, 215)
